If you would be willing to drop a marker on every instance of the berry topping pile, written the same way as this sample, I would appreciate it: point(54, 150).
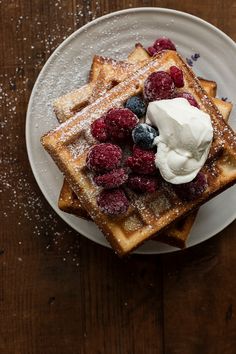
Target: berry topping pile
point(158, 86)
point(188, 97)
point(113, 202)
point(142, 184)
point(177, 76)
point(112, 179)
point(138, 172)
point(190, 191)
point(137, 105)
point(116, 125)
point(104, 157)
point(143, 135)
point(142, 161)
point(161, 44)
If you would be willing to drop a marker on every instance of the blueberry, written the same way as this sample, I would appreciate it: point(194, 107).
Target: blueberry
point(137, 105)
point(143, 135)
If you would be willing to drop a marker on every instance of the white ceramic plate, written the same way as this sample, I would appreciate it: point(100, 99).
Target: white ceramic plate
point(115, 35)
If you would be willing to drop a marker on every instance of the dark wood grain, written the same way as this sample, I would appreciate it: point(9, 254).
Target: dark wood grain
point(199, 288)
point(63, 294)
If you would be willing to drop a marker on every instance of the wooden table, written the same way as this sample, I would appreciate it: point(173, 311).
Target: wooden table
point(63, 294)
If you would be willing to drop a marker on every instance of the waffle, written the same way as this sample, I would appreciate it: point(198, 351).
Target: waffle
point(110, 71)
point(150, 213)
point(175, 235)
point(104, 74)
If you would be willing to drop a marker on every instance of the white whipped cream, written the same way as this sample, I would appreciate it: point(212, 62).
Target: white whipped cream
point(185, 136)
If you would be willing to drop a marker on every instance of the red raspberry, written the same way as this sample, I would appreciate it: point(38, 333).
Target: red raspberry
point(164, 43)
point(158, 86)
point(142, 184)
point(161, 44)
point(98, 130)
point(188, 97)
point(120, 123)
point(190, 191)
point(151, 51)
point(142, 161)
point(177, 76)
point(104, 157)
point(113, 202)
point(111, 179)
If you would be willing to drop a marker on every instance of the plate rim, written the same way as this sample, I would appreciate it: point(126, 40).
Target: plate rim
point(44, 69)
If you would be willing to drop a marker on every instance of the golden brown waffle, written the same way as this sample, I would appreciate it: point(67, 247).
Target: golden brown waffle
point(69, 202)
point(104, 72)
point(175, 235)
point(69, 143)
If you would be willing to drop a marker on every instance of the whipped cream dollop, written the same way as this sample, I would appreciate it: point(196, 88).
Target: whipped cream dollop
point(184, 141)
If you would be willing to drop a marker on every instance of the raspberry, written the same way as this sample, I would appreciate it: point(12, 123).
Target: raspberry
point(143, 135)
point(142, 161)
point(104, 157)
point(113, 202)
point(151, 51)
point(111, 179)
point(137, 105)
point(98, 130)
point(177, 76)
point(142, 184)
point(188, 97)
point(193, 189)
point(120, 123)
point(158, 86)
point(161, 44)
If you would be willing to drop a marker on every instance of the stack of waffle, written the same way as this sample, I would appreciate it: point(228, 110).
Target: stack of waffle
point(162, 214)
